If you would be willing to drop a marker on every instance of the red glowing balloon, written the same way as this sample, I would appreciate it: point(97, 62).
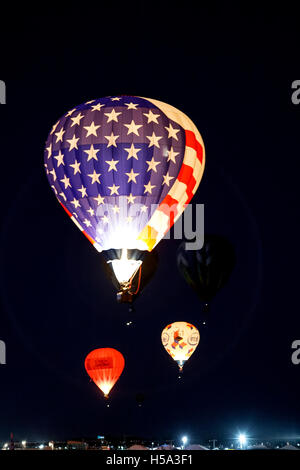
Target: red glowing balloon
point(104, 366)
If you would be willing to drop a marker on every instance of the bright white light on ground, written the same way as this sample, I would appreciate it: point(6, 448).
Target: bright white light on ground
point(242, 440)
point(184, 440)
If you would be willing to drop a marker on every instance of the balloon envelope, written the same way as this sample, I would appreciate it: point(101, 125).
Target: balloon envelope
point(180, 339)
point(207, 270)
point(104, 366)
point(123, 168)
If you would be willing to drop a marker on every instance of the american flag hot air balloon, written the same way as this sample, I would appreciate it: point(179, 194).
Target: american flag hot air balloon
point(124, 168)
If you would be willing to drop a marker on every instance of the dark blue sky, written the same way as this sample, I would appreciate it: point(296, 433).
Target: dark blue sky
point(231, 72)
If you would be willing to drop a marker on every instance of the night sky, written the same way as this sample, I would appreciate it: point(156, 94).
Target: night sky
point(231, 72)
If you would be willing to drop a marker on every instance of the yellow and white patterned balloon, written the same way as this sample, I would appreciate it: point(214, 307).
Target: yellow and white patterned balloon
point(180, 339)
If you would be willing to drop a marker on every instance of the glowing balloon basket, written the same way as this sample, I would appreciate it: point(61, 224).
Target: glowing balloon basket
point(124, 168)
point(180, 339)
point(104, 366)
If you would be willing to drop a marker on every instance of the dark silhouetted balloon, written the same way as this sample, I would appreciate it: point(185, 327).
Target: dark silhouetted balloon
point(207, 270)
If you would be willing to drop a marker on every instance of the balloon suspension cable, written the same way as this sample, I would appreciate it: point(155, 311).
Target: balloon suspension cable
point(206, 307)
point(131, 308)
point(180, 371)
point(107, 400)
point(205, 312)
point(126, 286)
point(139, 281)
point(126, 293)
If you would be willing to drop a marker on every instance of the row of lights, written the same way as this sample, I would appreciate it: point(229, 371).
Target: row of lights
point(242, 440)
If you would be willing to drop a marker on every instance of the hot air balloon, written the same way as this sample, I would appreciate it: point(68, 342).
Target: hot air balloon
point(124, 168)
point(180, 339)
point(104, 366)
point(207, 270)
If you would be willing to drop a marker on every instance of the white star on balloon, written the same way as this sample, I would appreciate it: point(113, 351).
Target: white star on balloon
point(97, 107)
point(99, 199)
point(76, 120)
point(87, 222)
point(49, 149)
point(153, 140)
point(130, 198)
point(167, 178)
point(59, 135)
point(60, 158)
point(91, 129)
point(76, 166)
point(83, 191)
point(70, 112)
point(54, 127)
point(148, 188)
point(131, 105)
point(133, 128)
point(132, 152)
point(73, 143)
point(76, 203)
point(112, 164)
point(113, 189)
point(172, 155)
point(95, 177)
point(66, 182)
point(53, 174)
point(92, 153)
point(132, 176)
point(91, 211)
point(112, 116)
point(111, 139)
point(152, 117)
point(152, 164)
point(172, 132)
